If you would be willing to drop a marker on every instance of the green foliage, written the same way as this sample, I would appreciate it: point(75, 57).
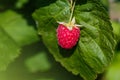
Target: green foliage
point(116, 29)
point(38, 63)
point(18, 28)
point(45, 79)
point(113, 72)
point(95, 48)
point(14, 33)
point(105, 3)
point(9, 50)
point(10, 4)
point(20, 3)
point(89, 57)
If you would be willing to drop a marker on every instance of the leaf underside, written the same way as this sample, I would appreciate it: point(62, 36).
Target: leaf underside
point(94, 51)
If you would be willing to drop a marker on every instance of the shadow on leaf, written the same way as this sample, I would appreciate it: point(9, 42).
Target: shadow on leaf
point(66, 52)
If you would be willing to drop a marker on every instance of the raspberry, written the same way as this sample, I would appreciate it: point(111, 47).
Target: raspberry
point(67, 37)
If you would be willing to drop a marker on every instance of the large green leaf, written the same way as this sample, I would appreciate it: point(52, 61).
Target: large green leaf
point(9, 50)
point(94, 51)
point(14, 32)
point(18, 28)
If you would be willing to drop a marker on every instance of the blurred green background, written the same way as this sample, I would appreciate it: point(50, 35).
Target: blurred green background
point(35, 62)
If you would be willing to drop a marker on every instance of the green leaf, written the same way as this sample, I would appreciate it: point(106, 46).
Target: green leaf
point(105, 3)
point(38, 62)
point(94, 51)
point(20, 3)
point(16, 33)
point(9, 50)
point(18, 28)
point(113, 72)
point(116, 29)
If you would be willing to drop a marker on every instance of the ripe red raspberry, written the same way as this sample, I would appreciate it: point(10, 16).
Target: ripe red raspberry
point(67, 36)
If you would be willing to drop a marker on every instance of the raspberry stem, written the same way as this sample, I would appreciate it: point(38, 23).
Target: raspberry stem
point(72, 9)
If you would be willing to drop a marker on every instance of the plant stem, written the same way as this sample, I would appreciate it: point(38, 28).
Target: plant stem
point(72, 9)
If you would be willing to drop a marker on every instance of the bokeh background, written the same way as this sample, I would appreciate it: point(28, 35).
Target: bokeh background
point(35, 62)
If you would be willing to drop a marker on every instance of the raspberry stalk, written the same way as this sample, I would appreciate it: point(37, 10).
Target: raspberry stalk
point(72, 6)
